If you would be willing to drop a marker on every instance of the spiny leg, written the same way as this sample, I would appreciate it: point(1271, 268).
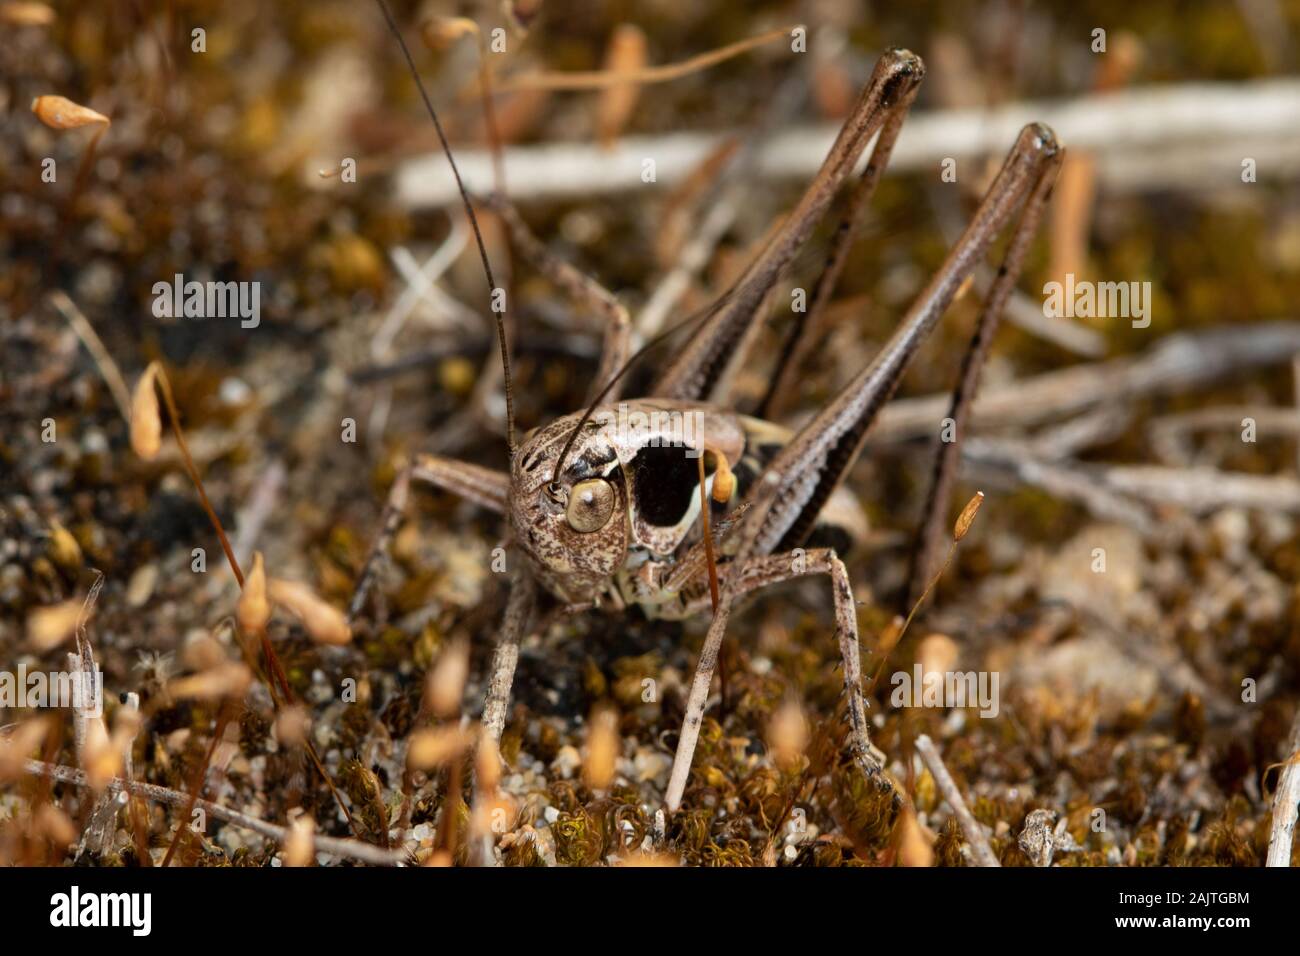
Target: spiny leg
point(815, 461)
point(579, 286)
point(783, 505)
point(753, 575)
point(930, 542)
point(514, 625)
point(704, 360)
point(482, 486)
point(807, 327)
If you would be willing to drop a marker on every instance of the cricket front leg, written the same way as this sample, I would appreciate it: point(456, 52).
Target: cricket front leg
point(582, 288)
point(482, 486)
point(756, 574)
point(514, 625)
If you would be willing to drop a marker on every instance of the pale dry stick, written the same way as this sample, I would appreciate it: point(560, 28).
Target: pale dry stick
point(1202, 490)
point(86, 333)
point(979, 842)
point(1168, 432)
point(1295, 384)
point(1176, 362)
point(1059, 479)
point(1134, 134)
point(351, 849)
point(421, 284)
point(604, 79)
point(1285, 802)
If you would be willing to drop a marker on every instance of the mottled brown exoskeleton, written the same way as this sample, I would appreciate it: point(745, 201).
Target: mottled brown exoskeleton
point(605, 515)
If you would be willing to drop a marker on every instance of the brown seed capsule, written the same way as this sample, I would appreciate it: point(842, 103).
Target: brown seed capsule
point(59, 112)
point(48, 627)
point(937, 654)
point(300, 842)
point(19, 744)
point(146, 420)
point(603, 746)
point(64, 550)
point(890, 635)
point(27, 14)
point(914, 848)
point(447, 680)
point(787, 734)
point(434, 746)
point(441, 32)
point(967, 516)
point(325, 623)
point(724, 480)
point(487, 764)
point(229, 679)
point(253, 610)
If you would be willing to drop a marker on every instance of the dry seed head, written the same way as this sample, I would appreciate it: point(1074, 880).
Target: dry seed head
point(52, 822)
point(292, 725)
point(447, 680)
point(253, 610)
point(202, 652)
point(434, 746)
point(101, 758)
point(890, 635)
point(967, 516)
point(48, 627)
point(487, 764)
point(603, 746)
point(937, 653)
point(787, 734)
point(724, 481)
point(300, 842)
point(18, 745)
point(58, 112)
point(649, 860)
point(914, 849)
point(146, 420)
point(324, 623)
point(441, 32)
point(64, 550)
point(27, 14)
point(229, 679)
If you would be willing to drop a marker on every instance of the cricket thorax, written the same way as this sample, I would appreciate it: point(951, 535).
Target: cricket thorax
point(626, 492)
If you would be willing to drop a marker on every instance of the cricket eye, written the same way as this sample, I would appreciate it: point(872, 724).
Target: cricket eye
point(590, 505)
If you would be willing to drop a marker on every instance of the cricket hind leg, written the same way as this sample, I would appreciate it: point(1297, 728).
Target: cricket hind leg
point(927, 555)
point(754, 575)
point(584, 289)
point(807, 470)
point(808, 327)
point(482, 486)
point(715, 346)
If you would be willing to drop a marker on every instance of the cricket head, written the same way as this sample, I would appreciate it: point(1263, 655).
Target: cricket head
point(570, 522)
point(591, 494)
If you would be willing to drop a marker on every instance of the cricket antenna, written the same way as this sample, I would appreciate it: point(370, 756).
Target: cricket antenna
point(473, 221)
point(553, 486)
